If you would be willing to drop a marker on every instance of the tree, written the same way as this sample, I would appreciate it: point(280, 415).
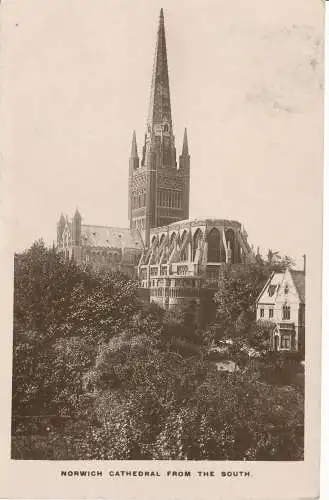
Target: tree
point(261, 335)
point(61, 314)
point(98, 376)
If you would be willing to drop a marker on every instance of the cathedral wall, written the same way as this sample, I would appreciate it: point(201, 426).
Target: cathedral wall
point(186, 256)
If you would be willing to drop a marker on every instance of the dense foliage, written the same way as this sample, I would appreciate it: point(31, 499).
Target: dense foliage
point(97, 375)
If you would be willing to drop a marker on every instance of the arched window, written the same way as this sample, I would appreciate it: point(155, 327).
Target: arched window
point(286, 312)
point(172, 238)
point(196, 242)
point(184, 253)
point(214, 245)
point(233, 245)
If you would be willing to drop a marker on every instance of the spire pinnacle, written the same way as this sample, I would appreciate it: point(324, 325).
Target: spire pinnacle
point(134, 153)
point(185, 144)
point(77, 214)
point(61, 219)
point(160, 108)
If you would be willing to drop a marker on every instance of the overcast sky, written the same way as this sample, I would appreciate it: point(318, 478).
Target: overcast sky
point(245, 79)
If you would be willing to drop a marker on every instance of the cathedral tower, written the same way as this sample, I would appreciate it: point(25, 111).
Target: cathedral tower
point(158, 190)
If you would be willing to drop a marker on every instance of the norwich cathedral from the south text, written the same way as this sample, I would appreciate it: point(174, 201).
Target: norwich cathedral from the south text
point(172, 256)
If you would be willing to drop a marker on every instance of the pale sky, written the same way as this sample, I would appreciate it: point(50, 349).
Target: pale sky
point(245, 79)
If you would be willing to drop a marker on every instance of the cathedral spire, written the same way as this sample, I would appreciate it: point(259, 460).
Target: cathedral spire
point(134, 153)
point(185, 144)
point(158, 200)
point(159, 108)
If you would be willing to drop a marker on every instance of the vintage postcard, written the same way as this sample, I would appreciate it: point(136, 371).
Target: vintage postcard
point(161, 214)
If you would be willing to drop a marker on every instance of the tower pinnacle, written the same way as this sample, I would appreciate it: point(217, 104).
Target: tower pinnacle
point(185, 144)
point(159, 107)
point(134, 153)
point(77, 214)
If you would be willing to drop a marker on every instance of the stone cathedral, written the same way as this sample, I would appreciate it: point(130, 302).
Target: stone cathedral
point(173, 257)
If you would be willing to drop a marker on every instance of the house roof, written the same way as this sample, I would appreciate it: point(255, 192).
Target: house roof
point(269, 298)
point(112, 237)
point(298, 278)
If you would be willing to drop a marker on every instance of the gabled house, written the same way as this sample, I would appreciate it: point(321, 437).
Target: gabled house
point(282, 301)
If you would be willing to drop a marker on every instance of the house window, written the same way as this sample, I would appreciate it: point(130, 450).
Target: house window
point(286, 289)
point(262, 313)
point(271, 290)
point(285, 342)
point(286, 312)
point(271, 313)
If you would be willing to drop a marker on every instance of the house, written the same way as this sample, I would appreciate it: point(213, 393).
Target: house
point(282, 301)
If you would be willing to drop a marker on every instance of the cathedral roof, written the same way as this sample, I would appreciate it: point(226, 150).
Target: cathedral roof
point(112, 237)
point(199, 221)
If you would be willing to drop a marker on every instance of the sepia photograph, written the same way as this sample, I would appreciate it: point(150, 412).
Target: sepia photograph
point(167, 165)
